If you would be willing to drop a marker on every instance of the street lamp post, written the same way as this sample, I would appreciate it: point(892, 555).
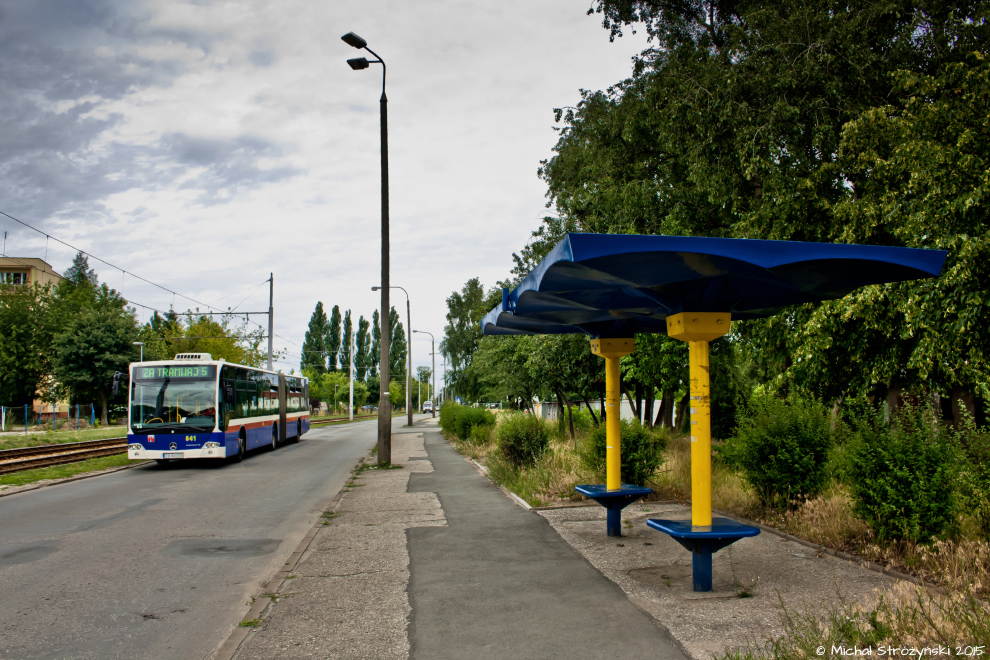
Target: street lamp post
point(409, 414)
point(141, 344)
point(433, 353)
point(384, 409)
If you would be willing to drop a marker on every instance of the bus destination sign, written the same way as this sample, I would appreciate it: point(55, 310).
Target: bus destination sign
point(175, 372)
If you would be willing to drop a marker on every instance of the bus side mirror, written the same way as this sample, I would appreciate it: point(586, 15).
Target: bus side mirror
point(116, 382)
point(228, 393)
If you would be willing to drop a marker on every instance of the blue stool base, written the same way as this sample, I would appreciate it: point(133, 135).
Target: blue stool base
point(614, 502)
point(703, 542)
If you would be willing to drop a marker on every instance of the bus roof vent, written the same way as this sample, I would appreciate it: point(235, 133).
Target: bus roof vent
point(193, 356)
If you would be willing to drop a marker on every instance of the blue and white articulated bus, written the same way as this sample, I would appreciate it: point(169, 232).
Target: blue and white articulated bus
point(198, 407)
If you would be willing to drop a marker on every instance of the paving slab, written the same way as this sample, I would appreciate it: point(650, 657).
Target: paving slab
point(766, 570)
point(498, 582)
point(347, 596)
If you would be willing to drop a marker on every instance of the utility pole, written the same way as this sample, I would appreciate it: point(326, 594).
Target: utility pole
point(350, 405)
point(271, 300)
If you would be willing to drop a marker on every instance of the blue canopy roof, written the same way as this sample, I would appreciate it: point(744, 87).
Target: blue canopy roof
point(617, 285)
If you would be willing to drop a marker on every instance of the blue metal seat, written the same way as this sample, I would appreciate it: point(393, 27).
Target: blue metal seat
point(703, 541)
point(614, 502)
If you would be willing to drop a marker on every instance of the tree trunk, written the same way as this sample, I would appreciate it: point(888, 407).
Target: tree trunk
point(639, 402)
point(836, 409)
point(588, 403)
point(682, 409)
point(632, 404)
point(103, 409)
point(651, 395)
point(666, 410)
point(560, 408)
point(602, 409)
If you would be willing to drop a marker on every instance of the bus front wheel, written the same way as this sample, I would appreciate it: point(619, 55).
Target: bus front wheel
point(241, 449)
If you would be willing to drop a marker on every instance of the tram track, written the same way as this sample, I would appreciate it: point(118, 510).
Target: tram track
point(323, 422)
point(30, 458)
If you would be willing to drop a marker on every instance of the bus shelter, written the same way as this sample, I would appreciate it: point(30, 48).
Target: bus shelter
point(614, 286)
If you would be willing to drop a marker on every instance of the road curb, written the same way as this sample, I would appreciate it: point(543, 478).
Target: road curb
point(230, 646)
point(78, 477)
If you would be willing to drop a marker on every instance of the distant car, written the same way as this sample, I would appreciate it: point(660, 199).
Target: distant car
point(427, 406)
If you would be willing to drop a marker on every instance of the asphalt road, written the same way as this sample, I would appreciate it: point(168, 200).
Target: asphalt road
point(160, 562)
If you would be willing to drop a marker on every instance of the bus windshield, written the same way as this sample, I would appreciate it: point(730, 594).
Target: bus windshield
point(179, 404)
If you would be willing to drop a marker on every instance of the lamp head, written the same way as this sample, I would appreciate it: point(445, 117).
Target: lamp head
point(352, 39)
point(375, 288)
point(359, 63)
point(138, 343)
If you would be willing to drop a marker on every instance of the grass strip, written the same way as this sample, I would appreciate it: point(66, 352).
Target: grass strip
point(41, 438)
point(63, 471)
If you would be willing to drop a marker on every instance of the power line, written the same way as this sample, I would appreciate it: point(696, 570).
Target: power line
point(103, 261)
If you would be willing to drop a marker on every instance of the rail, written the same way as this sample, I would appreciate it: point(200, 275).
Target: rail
point(30, 458)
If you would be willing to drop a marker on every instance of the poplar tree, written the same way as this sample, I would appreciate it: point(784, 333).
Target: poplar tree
point(345, 349)
point(376, 343)
point(362, 358)
point(314, 345)
point(397, 349)
point(332, 341)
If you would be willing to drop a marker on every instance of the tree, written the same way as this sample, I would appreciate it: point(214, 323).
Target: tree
point(375, 355)
point(314, 347)
point(332, 341)
point(95, 345)
point(347, 346)
point(220, 339)
point(80, 272)
point(801, 121)
point(27, 327)
point(463, 330)
point(397, 349)
point(362, 342)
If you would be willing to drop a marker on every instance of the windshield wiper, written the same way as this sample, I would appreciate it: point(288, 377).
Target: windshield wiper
point(172, 426)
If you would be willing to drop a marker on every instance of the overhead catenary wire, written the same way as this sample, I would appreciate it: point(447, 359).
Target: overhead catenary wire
point(104, 261)
point(125, 272)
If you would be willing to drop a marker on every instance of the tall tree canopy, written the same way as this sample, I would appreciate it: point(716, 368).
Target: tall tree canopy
point(314, 346)
point(362, 341)
point(332, 341)
point(346, 345)
point(465, 308)
point(96, 344)
point(397, 348)
point(80, 272)
point(820, 121)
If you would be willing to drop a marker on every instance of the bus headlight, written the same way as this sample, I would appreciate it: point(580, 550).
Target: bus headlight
point(211, 445)
point(135, 447)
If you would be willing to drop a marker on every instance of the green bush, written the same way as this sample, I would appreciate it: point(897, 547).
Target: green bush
point(641, 450)
point(975, 481)
point(458, 420)
point(523, 438)
point(903, 475)
point(782, 447)
point(448, 412)
point(480, 435)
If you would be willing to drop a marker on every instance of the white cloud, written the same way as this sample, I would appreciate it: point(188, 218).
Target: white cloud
point(205, 145)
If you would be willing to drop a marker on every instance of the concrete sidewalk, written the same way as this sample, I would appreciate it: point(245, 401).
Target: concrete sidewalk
point(499, 582)
point(433, 561)
point(395, 574)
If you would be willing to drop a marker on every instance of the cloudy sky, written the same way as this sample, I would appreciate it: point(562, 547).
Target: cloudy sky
point(203, 145)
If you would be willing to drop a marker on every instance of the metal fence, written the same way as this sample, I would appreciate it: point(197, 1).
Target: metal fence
point(25, 419)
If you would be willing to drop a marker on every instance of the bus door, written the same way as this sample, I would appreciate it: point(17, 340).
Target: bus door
point(281, 409)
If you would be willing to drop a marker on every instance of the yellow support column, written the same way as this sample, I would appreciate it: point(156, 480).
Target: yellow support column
point(699, 328)
point(612, 350)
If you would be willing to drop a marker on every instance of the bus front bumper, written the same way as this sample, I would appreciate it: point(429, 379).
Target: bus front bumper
point(138, 453)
